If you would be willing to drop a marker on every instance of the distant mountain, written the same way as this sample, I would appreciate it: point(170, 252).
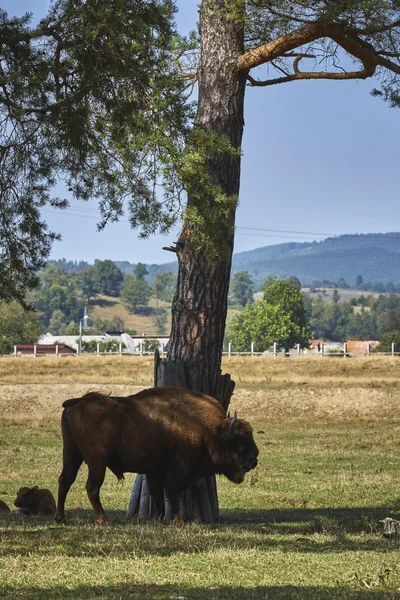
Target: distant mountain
point(374, 256)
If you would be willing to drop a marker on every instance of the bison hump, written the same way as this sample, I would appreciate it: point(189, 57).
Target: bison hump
point(71, 402)
point(96, 396)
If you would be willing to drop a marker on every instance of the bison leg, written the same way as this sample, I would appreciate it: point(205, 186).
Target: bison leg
point(94, 482)
point(72, 460)
point(157, 494)
point(175, 482)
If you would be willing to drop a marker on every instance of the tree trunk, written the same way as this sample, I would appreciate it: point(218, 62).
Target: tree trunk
point(200, 303)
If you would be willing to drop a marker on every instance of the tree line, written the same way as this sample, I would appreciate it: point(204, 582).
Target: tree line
point(61, 296)
point(285, 315)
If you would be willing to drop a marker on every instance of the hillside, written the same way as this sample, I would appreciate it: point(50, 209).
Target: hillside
point(374, 256)
point(107, 307)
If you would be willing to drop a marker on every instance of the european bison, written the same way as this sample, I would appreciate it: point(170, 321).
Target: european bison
point(172, 435)
point(35, 501)
point(4, 507)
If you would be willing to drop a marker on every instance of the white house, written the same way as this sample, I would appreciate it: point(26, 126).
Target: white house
point(131, 344)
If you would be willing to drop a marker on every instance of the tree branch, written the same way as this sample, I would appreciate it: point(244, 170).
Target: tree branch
point(362, 74)
point(349, 40)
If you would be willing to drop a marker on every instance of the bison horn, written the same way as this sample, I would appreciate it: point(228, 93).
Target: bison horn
point(233, 423)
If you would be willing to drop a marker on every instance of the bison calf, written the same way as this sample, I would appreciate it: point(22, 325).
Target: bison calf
point(35, 501)
point(172, 435)
point(4, 507)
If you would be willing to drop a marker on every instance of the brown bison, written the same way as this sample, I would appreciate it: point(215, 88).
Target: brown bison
point(4, 507)
point(35, 501)
point(172, 435)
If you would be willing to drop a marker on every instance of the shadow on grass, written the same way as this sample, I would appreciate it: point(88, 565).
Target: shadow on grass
point(103, 303)
point(310, 520)
point(338, 530)
point(178, 592)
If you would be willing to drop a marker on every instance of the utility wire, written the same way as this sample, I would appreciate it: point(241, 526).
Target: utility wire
point(269, 232)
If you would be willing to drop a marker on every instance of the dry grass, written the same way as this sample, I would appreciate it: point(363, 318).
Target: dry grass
point(107, 307)
point(268, 389)
point(303, 526)
point(138, 370)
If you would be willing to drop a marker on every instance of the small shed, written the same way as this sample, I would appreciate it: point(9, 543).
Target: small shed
point(361, 348)
point(43, 349)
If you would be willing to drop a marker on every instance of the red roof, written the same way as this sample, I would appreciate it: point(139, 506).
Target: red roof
point(42, 346)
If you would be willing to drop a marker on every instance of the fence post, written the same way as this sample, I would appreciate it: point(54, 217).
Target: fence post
point(392, 348)
point(98, 347)
point(298, 349)
point(275, 352)
point(229, 348)
point(345, 349)
point(57, 352)
point(368, 349)
point(120, 347)
point(15, 350)
point(322, 349)
point(34, 350)
point(252, 348)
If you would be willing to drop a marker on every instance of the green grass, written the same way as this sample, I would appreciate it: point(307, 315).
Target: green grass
point(304, 525)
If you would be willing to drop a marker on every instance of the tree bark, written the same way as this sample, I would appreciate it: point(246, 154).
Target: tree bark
point(200, 303)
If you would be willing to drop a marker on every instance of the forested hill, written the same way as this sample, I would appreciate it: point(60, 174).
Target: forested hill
point(374, 256)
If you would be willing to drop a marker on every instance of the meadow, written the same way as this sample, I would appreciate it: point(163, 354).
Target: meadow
point(304, 525)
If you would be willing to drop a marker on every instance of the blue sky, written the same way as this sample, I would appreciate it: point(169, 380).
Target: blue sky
point(318, 158)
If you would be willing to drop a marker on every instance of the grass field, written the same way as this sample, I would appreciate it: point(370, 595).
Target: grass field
point(303, 526)
point(108, 307)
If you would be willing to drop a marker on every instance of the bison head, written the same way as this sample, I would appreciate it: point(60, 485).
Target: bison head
point(25, 497)
point(237, 449)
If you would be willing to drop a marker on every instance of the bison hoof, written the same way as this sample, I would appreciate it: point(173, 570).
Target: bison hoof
point(101, 521)
point(61, 520)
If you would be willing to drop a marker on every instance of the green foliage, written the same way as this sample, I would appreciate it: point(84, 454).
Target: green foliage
point(160, 320)
point(279, 318)
point(140, 271)
point(261, 324)
point(17, 326)
point(88, 283)
point(210, 209)
point(57, 323)
point(151, 345)
point(114, 324)
point(164, 286)
point(271, 279)
point(91, 94)
point(386, 341)
point(50, 298)
point(241, 288)
point(290, 301)
point(294, 281)
point(107, 277)
point(104, 346)
point(135, 292)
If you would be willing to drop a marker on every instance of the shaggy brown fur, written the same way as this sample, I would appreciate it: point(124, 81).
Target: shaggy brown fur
point(35, 501)
point(172, 435)
point(4, 507)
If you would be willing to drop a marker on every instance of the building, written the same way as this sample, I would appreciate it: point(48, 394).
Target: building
point(43, 350)
point(130, 344)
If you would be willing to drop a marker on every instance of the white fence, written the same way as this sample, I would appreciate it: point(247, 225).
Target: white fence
point(323, 351)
